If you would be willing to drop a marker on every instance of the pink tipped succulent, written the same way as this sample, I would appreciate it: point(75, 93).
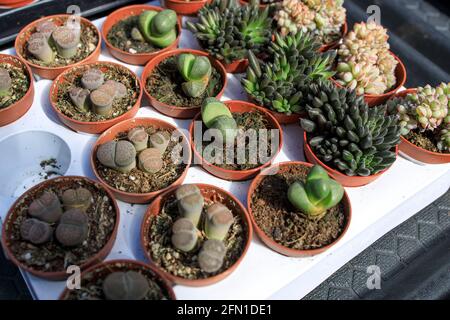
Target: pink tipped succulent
point(46, 208)
point(36, 231)
point(102, 102)
point(139, 137)
point(66, 41)
point(38, 46)
point(46, 28)
point(150, 160)
point(73, 228)
point(92, 79)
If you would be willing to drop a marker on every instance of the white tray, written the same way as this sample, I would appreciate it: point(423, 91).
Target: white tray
point(377, 208)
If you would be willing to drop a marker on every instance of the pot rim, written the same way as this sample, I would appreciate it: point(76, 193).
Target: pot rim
point(184, 2)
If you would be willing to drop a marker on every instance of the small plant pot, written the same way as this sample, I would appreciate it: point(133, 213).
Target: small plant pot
point(210, 194)
point(172, 110)
point(125, 126)
point(15, 3)
point(416, 152)
point(346, 181)
point(94, 276)
point(52, 72)
point(18, 212)
point(125, 56)
point(335, 44)
point(20, 107)
point(89, 126)
point(185, 8)
point(269, 241)
point(237, 66)
point(237, 175)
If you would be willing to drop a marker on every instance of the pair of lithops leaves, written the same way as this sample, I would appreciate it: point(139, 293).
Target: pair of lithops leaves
point(318, 194)
point(196, 71)
point(217, 222)
point(65, 38)
point(156, 28)
point(125, 285)
point(5, 83)
point(72, 224)
point(96, 93)
point(121, 154)
point(217, 116)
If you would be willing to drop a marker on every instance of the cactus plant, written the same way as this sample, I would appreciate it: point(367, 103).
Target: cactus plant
point(346, 134)
point(38, 46)
point(190, 202)
point(80, 198)
point(92, 79)
point(196, 71)
point(212, 255)
point(184, 235)
point(139, 137)
point(150, 160)
point(318, 194)
point(216, 115)
point(160, 140)
point(118, 155)
point(5, 83)
point(129, 285)
point(218, 221)
point(36, 231)
point(158, 28)
point(46, 208)
point(80, 98)
point(66, 41)
point(73, 228)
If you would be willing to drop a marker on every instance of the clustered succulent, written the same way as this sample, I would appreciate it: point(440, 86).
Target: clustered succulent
point(227, 31)
point(322, 18)
point(196, 71)
point(129, 285)
point(216, 224)
point(216, 115)
point(348, 135)
point(365, 63)
point(426, 110)
point(296, 62)
point(157, 28)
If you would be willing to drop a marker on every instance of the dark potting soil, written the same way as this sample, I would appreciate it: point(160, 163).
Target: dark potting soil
point(92, 283)
point(137, 181)
point(425, 140)
point(185, 264)
point(19, 85)
point(245, 121)
point(280, 221)
point(52, 256)
point(111, 72)
point(164, 84)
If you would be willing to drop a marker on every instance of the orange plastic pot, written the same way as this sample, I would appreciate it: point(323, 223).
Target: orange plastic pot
point(133, 58)
point(335, 44)
point(418, 153)
point(102, 270)
point(52, 72)
point(280, 168)
point(98, 126)
point(235, 175)
point(170, 110)
point(237, 66)
point(124, 126)
point(18, 109)
point(282, 118)
point(184, 7)
point(346, 181)
point(210, 193)
point(29, 196)
point(15, 3)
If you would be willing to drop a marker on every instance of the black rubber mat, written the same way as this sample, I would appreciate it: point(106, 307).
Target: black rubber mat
point(12, 285)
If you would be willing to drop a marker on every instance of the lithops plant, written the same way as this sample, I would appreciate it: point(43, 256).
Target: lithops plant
point(160, 140)
point(129, 285)
point(36, 231)
point(46, 28)
point(196, 71)
point(190, 202)
point(5, 83)
point(318, 194)
point(92, 79)
point(158, 28)
point(150, 160)
point(39, 47)
point(102, 102)
point(118, 155)
point(216, 115)
point(80, 198)
point(80, 98)
point(218, 221)
point(139, 137)
point(184, 235)
point(212, 255)
point(66, 41)
point(46, 208)
point(73, 228)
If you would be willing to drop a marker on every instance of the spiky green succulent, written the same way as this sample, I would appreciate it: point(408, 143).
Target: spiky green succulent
point(277, 84)
point(227, 31)
point(346, 134)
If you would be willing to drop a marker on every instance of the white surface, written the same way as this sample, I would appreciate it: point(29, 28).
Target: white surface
point(377, 208)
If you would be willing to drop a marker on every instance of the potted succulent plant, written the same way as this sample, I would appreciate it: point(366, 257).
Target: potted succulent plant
point(197, 234)
point(135, 34)
point(16, 88)
point(93, 97)
point(297, 209)
point(425, 122)
point(261, 3)
point(139, 158)
point(365, 64)
point(227, 31)
point(121, 280)
point(246, 139)
point(56, 43)
point(354, 143)
point(277, 83)
point(61, 222)
point(178, 81)
point(324, 20)
point(185, 7)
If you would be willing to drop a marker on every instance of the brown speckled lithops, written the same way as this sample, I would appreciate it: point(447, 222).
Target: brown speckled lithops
point(66, 41)
point(101, 102)
point(36, 231)
point(5, 83)
point(184, 235)
point(73, 228)
point(80, 98)
point(46, 208)
point(46, 28)
point(92, 79)
point(218, 221)
point(211, 256)
point(118, 155)
point(150, 160)
point(190, 202)
point(80, 198)
point(130, 285)
point(38, 46)
point(139, 137)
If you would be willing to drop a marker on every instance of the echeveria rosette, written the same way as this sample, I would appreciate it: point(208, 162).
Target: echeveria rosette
point(196, 71)
point(158, 28)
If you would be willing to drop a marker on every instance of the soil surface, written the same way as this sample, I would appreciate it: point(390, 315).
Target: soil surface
point(280, 221)
point(52, 256)
point(19, 85)
point(425, 140)
point(164, 84)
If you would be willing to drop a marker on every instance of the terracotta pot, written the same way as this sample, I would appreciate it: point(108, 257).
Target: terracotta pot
point(124, 126)
point(47, 72)
point(237, 66)
point(281, 167)
point(211, 193)
point(185, 8)
point(236, 175)
point(377, 99)
point(95, 127)
point(335, 44)
point(174, 111)
point(102, 270)
point(133, 58)
point(15, 3)
point(31, 194)
point(18, 109)
point(346, 181)
point(418, 153)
